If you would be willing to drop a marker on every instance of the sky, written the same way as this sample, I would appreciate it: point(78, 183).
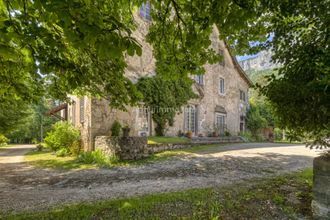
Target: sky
point(245, 57)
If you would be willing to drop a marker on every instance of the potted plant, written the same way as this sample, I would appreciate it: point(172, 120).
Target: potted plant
point(126, 129)
point(189, 134)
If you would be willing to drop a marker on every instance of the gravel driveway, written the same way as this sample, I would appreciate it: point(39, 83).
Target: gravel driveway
point(23, 187)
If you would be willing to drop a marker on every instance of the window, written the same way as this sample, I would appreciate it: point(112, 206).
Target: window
point(222, 86)
point(242, 96)
point(145, 11)
point(199, 79)
point(190, 118)
point(82, 109)
point(220, 123)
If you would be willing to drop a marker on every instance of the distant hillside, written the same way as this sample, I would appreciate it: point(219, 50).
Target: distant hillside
point(262, 61)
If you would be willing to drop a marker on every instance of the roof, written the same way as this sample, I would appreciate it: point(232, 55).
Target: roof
point(239, 68)
point(57, 109)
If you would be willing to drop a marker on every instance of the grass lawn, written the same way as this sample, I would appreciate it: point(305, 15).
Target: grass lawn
point(167, 140)
point(48, 159)
point(283, 197)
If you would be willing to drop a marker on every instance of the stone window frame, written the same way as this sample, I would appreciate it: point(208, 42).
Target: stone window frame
point(222, 86)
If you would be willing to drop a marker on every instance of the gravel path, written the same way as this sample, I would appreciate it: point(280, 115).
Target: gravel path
point(23, 187)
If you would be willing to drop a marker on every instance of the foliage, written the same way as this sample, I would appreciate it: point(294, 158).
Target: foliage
point(3, 140)
point(33, 127)
point(40, 147)
point(63, 136)
point(283, 197)
point(254, 120)
point(115, 129)
point(164, 97)
point(97, 157)
point(62, 152)
point(67, 46)
point(12, 114)
point(300, 93)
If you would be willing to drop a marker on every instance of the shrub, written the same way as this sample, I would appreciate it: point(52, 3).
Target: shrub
point(97, 157)
point(63, 136)
point(227, 134)
point(62, 152)
point(3, 140)
point(40, 147)
point(115, 129)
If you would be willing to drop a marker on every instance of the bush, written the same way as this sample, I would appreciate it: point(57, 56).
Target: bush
point(40, 147)
point(115, 129)
point(63, 136)
point(97, 157)
point(62, 152)
point(3, 140)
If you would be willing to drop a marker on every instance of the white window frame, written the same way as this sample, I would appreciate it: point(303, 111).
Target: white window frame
point(222, 88)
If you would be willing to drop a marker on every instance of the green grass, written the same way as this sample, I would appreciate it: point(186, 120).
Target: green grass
point(166, 155)
point(167, 140)
point(48, 159)
point(257, 199)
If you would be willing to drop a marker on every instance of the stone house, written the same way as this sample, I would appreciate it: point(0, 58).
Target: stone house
point(221, 105)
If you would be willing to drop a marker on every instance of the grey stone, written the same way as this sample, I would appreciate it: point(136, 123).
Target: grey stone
point(321, 188)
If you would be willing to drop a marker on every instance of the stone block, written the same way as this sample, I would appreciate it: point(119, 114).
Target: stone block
point(321, 188)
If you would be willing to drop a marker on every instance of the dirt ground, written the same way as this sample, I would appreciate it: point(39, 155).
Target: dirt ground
point(23, 187)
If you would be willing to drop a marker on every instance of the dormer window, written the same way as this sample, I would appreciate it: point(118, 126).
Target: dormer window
point(145, 10)
point(199, 79)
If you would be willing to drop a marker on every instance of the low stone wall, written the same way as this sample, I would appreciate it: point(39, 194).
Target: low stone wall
point(321, 188)
point(135, 148)
point(157, 148)
point(126, 148)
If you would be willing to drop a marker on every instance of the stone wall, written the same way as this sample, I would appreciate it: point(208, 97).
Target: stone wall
point(126, 148)
point(135, 148)
point(321, 188)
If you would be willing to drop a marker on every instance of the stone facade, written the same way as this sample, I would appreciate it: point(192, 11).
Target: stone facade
point(214, 106)
point(321, 188)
